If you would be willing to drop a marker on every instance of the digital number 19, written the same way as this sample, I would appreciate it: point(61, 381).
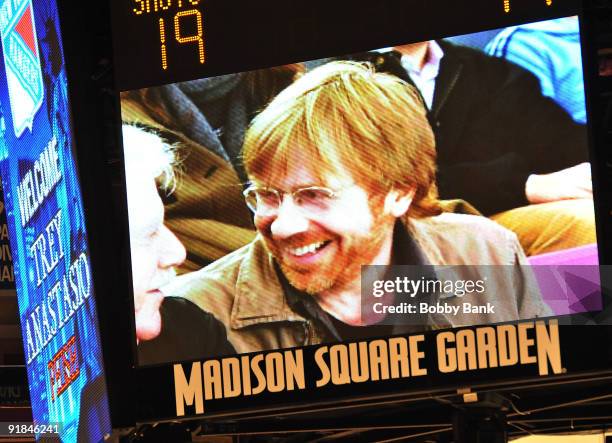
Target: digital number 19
point(198, 38)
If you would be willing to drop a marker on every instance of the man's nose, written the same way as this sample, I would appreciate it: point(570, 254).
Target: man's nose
point(171, 251)
point(290, 220)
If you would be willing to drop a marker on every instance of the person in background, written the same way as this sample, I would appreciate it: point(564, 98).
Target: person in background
point(167, 329)
point(551, 51)
point(208, 118)
point(503, 147)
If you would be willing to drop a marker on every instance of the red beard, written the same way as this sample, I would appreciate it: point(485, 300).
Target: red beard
point(336, 263)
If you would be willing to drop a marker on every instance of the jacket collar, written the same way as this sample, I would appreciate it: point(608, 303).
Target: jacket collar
point(260, 296)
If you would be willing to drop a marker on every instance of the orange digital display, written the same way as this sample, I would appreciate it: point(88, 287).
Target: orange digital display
point(507, 5)
point(165, 41)
point(185, 18)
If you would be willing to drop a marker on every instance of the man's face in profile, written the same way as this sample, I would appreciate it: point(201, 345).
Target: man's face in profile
point(323, 249)
point(155, 250)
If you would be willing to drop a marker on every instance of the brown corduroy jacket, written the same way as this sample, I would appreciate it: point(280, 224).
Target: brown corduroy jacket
point(244, 292)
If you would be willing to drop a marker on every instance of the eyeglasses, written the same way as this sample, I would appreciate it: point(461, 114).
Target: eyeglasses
point(266, 201)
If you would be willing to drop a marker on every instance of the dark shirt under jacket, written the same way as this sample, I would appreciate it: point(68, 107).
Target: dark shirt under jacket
point(188, 333)
point(493, 128)
point(406, 252)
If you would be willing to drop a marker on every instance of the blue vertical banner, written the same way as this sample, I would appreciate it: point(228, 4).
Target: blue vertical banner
point(7, 275)
point(46, 226)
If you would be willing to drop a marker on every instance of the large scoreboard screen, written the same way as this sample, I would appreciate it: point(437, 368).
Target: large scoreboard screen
point(217, 208)
point(334, 185)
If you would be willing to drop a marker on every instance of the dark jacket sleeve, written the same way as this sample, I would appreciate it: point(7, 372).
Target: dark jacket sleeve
point(494, 128)
point(188, 333)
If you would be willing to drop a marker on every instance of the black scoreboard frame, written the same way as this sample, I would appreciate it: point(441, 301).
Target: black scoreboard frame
point(94, 86)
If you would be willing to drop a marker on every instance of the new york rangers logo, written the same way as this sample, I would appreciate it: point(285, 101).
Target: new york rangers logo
point(22, 62)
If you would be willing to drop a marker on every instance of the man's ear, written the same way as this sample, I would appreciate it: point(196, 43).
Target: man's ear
point(398, 201)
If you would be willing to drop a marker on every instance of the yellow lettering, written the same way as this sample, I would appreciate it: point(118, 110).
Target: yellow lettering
point(325, 373)
point(549, 347)
point(185, 393)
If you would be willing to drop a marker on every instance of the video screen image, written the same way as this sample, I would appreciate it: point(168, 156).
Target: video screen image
point(427, 185)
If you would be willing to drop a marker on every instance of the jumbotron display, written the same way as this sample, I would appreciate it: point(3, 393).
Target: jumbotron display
point(369, 199)
point(396, 190)
point(213, 206)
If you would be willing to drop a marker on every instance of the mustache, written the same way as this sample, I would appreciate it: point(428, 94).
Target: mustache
point(299, 240)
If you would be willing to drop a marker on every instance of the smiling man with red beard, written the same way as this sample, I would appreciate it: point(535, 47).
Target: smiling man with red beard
point(342, 174)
